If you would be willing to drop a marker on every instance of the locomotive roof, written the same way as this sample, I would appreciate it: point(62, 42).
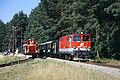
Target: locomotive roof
point(76, 34)
point(29, 40)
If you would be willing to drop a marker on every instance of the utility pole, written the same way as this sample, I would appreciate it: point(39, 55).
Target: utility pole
point(9, 45)
point(15, 35)
point(21, 40)
point(1, 47)
point(97, 39)
point(14, 39)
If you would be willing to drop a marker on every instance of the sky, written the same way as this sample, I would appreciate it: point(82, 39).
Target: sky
point(8, 8)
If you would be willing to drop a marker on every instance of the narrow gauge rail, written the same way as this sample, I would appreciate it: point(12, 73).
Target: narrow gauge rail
point(16, 62)
point(104, 64)
point(99, 64)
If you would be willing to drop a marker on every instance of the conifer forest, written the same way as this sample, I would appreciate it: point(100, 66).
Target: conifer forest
point(51, 19)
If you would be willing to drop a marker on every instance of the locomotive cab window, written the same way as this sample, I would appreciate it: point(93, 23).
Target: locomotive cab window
point(70, 38)
point(61, 39)
point(86, 38)
point(42, 46)
point(28, 42)
point(48, 46)
point(76, 38)
point(34, 42)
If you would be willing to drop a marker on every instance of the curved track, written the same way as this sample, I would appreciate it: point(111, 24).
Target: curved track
point(15, 62)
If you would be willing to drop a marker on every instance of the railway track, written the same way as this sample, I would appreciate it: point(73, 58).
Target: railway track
point(29, 59)
point(104, 64)
point(16, 62)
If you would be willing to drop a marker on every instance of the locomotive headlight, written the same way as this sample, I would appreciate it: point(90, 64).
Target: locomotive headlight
point(27, 51)
point(48, 50)
point(36, 51)
point(74, 47)
point(43, 50)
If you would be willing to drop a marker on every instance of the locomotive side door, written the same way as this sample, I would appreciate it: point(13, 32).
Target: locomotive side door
point(55, 47)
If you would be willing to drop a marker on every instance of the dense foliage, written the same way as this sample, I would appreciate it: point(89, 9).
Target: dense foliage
point(2, 34)
point(19, 23)
point(52, 19)
point(12, 33)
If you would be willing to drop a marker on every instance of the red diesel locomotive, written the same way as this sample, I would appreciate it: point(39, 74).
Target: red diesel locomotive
point(30, 47)
point(75, 45)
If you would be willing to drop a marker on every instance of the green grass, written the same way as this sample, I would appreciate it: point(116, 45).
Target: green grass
point(51, 70)
point(8, 59)
point(99, 60)
point(105, 60)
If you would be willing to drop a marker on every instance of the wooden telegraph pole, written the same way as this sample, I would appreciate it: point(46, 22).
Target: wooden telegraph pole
point(14, 39)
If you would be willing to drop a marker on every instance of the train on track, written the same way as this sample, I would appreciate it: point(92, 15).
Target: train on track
point(30, 47)
point(73, 46)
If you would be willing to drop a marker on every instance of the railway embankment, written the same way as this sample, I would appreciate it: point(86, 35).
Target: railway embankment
point(99, 68)
point(49, 69)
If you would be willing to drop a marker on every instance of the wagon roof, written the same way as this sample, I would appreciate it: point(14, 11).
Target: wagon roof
point(46, 43)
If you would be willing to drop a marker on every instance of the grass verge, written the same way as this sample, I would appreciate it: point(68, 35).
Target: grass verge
point(51, 70)
point(8, 59)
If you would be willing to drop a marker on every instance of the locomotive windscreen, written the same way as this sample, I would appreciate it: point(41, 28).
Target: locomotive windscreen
point(86, 38)
point(76, 38)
